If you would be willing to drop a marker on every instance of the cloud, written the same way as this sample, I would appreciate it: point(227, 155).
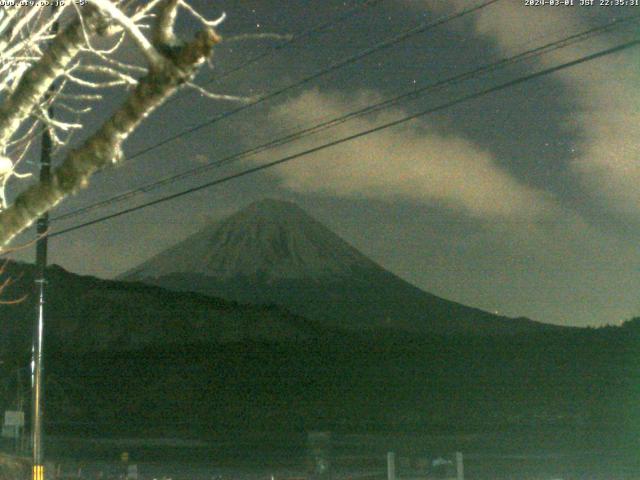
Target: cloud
point(607, 102)
point(409, 162)
point(201, 158)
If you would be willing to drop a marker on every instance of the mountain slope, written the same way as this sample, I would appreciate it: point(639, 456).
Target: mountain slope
point(273, 252)
point(268, 241)
point(88, 314)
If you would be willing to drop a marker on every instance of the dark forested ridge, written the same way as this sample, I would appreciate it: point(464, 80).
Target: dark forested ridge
point(89, 314)
point(139, 359)
point(127, 357)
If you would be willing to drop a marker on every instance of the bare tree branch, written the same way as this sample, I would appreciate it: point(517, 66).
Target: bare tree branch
point(37, 79)
point(71, 69)
point(6, 283)
point(104, 147)
point(153, 56)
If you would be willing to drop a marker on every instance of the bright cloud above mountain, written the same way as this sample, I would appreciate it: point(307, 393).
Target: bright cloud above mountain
point(412, 162)
point(605, 93)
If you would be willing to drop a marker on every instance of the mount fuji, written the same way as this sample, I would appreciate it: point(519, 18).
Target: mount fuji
point(273, 252)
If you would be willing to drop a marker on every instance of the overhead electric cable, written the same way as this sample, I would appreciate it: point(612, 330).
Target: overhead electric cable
point(331, 68)
point(297, 37)
point(533, 53)
point(288, 158)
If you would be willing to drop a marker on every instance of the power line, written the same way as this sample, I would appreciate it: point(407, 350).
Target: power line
point(394, 123)
point(331, 68)
point(306, 33)
point(529, 54)
point(287, 43)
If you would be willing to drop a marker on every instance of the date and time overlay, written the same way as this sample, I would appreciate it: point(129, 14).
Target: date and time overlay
point(528, 3)
point(582, 3)
point(40, 3)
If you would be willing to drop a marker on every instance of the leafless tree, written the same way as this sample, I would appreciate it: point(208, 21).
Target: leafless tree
point(71, 67)
point(6, 280)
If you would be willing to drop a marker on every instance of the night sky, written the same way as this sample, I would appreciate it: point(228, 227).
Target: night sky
point(524, 202)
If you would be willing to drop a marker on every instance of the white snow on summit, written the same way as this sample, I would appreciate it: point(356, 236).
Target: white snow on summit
point(268, 240)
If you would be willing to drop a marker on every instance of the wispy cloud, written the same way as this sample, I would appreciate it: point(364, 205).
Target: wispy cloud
point(607, 102)
point(410, 162)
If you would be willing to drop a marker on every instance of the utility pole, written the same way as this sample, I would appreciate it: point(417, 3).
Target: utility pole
point(37, 399)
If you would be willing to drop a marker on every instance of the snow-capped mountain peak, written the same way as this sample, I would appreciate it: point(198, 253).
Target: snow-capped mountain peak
point(268, 240)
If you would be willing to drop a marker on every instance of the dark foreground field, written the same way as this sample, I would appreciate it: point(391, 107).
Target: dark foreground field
point(540, 455)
